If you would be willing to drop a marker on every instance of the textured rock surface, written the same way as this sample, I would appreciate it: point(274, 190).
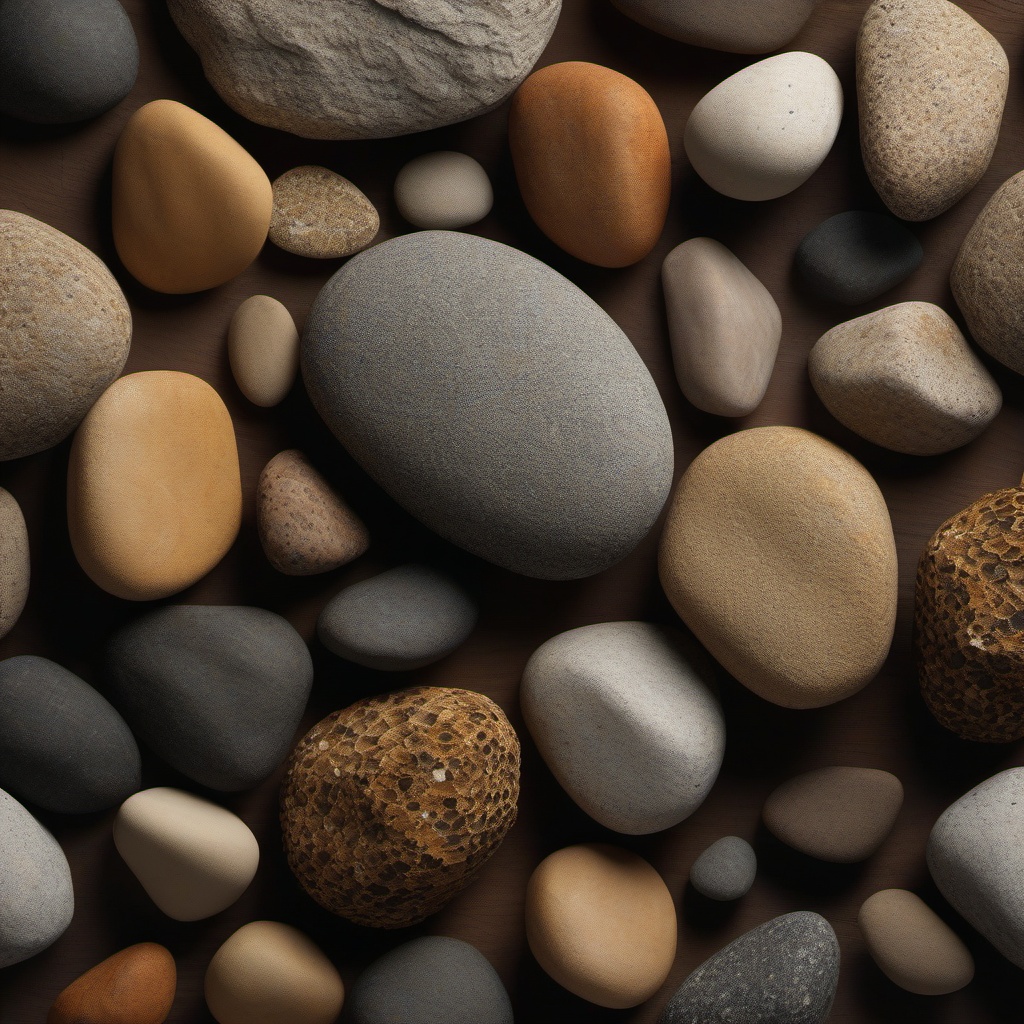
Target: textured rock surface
point(931, 84)
point(779, 511)
point(724, 326)
point(62, 746)
point(601, 922)
point(64, 60)
point(839, 814)
point(764, 131)
point(65, 330)
point(363, 70)
point(217, 692)
point(401, 619)
point(392, 805)
point(976, 857)
point(725, 870)
point(36, 898)
point(784, 970)
point(905, 378)
point(443, 190)
point(305, 526)
point(625, 715)
point(15, 568)
point(191, 208)
point(912, 945)
point(430, 980)
point(193, 857)
point(272, 973)
point(452, 428)
point(592, 160)
point(141, 542)
point(263, 348)
point(320, 214)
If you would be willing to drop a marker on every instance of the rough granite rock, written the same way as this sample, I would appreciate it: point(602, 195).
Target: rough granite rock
point(725, 870)
point(15, 567)
point(365, 69)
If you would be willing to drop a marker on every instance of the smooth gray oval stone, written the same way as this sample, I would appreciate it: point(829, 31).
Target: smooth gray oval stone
point(493, 399)
point(625, 716)
point(217, 692)
point(725, 870)
point(37, 901)
point(404, 618)
point(63, 61)
point(431, 980)
point(785, 970)
point(62, 746)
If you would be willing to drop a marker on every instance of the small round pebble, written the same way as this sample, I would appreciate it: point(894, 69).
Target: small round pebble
point(725, 870)
point(263, 348)
point(15, 568)
point(443, 190)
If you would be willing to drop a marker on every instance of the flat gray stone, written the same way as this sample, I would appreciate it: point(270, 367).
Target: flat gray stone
point(725, 870)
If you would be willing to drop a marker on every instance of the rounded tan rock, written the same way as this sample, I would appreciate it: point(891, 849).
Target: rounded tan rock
point(15, 569)
point(191, 207)
point(271, 973)
point(263, 348)
point(443, 190)
point(592, 161)
point(600, 920)
point(778, 553)
point(154, 490)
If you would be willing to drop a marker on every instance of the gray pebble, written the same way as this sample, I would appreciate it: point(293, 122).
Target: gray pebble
point(725, 870)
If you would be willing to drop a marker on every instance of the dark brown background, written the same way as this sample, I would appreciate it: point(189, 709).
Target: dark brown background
point(62, 176)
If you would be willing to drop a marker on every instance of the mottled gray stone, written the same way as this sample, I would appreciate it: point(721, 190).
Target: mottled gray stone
point(363, 69)
point(493, 399)
point(785, 970)
point(36, 897)
point(217, 692)
point(431, 980)
point(725, 870)
point(62, 746)
point(625, 715)
point(404, 618)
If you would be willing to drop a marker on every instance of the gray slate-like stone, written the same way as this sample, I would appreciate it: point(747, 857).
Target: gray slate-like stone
point(217, 692)
point(785, 971)
point(976, 856)
point(36, 897)
point(360, 69)
point(493, 399)
point(63, 61)
point(62, 746)
point(625, 715)
point(431, 980)
point(856, 256)
point(725, 870)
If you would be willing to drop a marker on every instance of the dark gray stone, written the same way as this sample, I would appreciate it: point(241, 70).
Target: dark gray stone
point(432, 980)
point(785, 971)
point(217, 692)
point(63, 61)
point(855, 256)
point(725, 870)
point(62, 746)
point(493, 399)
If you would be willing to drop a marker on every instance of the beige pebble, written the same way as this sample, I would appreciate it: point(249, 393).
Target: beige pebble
point(15, 570)
point(443, 190)
point(263, 348)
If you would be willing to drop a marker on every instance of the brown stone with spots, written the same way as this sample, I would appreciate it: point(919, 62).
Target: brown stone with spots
point(393, 805)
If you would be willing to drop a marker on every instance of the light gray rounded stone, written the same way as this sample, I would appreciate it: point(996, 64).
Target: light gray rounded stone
point(625, 716)
point(725, 870)
point(36, 897)
point(493, 399)
point(443, 190)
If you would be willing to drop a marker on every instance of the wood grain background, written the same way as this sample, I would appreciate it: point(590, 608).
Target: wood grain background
point(62, 176)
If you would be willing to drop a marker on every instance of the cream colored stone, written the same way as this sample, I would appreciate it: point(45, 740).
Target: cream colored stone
point(443, 190)
point(15, 570)
point(263, 348)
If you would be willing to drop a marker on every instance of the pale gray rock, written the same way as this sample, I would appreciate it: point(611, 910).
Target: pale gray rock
point(725, 870)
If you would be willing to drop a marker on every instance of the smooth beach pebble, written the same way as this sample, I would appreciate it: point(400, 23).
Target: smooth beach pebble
point(137, 541)
point(763, 132)
point(193, 857)
point(305, 526)
point(191, 207)
point(263, 348)
point(592, 161)
point(320, 214)
point(780, 511)
point(601, 922)
point(135, 986)
point(724, 326)
point(912, 945)
point(443, 190)
point(271, 973)
point(725, 870)
point(15, 568)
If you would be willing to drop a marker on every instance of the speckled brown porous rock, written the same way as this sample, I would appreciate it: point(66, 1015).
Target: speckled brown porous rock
point(15, 569)
point(320, 214)
point(391, 806)
point(969, 619)
point(931, 85)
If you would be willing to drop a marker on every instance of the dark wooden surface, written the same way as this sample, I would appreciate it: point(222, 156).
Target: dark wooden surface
point(62, 176)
